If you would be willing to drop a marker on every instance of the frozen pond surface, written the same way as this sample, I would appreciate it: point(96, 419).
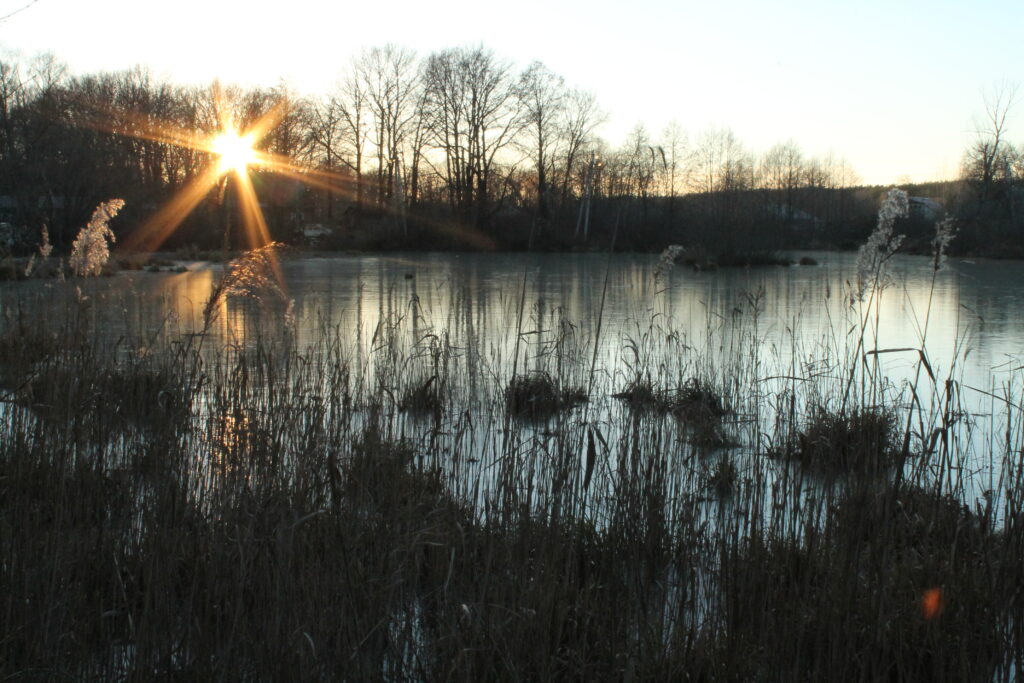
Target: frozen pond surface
point(760, 334)
point(975, 306)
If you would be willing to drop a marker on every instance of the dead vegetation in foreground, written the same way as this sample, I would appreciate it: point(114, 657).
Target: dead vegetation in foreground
point(271, 515)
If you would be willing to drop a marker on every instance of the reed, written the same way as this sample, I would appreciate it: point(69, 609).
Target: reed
point(280, 510)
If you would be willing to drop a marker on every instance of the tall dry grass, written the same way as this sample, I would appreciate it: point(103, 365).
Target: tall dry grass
point(331, 510)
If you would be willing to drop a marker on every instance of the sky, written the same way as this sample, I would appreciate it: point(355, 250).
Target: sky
point(896, 87)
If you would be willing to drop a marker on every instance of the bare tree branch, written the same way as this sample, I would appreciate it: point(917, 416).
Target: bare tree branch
point(17, 11)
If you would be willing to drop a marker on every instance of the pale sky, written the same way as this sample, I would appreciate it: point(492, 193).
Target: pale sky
point(894, 87)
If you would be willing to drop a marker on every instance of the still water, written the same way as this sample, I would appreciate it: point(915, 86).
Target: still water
point(601, 322)
point(968, 317)
point(986, 296)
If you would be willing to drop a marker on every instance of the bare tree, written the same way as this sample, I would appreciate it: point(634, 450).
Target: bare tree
point(326, 131)
point(388, 78)
point(581, 117)
point(988, 160)
point(289, 136)
point(782, 171)
point(416, 142)
point(642, 164)
point(12, 105)
point(674, 160)
point(353, 108)
point(472, 113)
point(722, 176)
point(721, 163)
point(541, 96)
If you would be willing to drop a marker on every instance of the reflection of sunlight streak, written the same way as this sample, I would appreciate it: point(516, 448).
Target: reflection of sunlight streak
point(231, 439)
point(157, 228)
point(233, 323)
point(190, 290)
point(932, 603)
point(189, 293)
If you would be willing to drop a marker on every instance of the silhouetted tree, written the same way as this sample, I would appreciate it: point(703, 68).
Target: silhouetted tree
point(542, 100)
point(989, 162)
point(582, 116)
point(472, 114)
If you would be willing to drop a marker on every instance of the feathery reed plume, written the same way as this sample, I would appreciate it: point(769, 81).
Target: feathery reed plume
point(250, 276)
point(667, 260)
point(945, 231)
point(882, 244)
point(91, 250)
point(45, 249)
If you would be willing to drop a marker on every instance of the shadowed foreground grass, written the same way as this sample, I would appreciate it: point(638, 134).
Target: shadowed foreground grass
point(265, 514)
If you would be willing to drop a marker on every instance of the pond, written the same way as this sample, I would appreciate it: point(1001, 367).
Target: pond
point(970, 306)
point(760, 335)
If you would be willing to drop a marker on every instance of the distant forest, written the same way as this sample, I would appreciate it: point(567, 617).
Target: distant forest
point(458, 150)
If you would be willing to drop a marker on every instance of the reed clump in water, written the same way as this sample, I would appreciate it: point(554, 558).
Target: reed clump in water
point(423, 398)
point(642, 394)
point(723, 478)
point(859, 440)
point(539, 396)
point(695, 402)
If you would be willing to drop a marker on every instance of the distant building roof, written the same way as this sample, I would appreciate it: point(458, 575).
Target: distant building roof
point(795, 215)
point(926, 207)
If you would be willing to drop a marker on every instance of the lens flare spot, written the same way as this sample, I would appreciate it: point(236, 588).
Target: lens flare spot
point(932, 603)
point(235, 151)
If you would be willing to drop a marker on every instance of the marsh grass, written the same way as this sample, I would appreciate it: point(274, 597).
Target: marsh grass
point(641, 394)
point(539, 396)
point(423, 398)
point(864, 440)
point(697, 406)
point(59, 376)
point(276, 511)
point(723, 478)
point(892, 585)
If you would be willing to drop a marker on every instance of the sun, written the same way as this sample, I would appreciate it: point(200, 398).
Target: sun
point(232, 152)
point(235, 151)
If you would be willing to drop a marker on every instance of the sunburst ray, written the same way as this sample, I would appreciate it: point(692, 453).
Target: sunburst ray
point(155, 230)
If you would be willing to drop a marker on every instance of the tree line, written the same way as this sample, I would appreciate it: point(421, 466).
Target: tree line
point(989, 200)
point(457, 149)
